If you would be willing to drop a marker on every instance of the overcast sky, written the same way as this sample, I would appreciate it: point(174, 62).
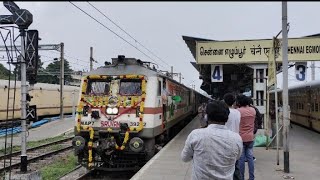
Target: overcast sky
point(159, 26)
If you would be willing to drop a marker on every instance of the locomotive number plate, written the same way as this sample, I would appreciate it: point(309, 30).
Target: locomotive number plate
point(114, 124)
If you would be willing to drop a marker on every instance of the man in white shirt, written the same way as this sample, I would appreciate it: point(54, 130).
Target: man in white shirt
point(215, 149)
point(233, 122)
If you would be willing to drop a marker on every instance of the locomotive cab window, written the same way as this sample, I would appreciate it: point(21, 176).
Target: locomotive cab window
point(130, 87)
point(98, 87)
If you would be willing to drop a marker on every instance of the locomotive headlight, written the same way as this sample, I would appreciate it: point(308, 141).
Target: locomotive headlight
point(115, 110)
point(109, 110)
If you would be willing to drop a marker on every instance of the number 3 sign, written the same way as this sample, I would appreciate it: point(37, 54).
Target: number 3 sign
point(301, 71)
point(216, 73)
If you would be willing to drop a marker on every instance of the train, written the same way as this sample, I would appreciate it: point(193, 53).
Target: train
point(44, 100)
point(304, 104)
point(125, 108)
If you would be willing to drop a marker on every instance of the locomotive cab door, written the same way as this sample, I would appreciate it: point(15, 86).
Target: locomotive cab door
point(164, 97)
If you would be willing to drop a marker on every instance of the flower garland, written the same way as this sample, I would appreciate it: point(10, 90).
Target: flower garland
point(100, 101)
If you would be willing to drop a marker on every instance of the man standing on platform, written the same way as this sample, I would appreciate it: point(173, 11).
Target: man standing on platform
point(203, 116)
point(233, 123)
point(247, 134)
point(215, 149)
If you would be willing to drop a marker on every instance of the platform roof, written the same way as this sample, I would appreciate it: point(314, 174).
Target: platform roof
point(242, 71)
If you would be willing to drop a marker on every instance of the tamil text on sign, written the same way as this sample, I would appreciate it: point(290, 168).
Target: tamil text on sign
point(255, 51)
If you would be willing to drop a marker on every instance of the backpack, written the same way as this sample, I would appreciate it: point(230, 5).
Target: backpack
point(257, 121)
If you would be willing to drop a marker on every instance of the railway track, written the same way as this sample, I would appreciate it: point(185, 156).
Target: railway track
point(81, 173)
point(108, 175)
point(35, 153)
point(98, 174)
point(75, 173)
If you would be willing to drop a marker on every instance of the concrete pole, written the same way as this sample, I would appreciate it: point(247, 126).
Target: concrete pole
point(73, 104)
point(172, 72)
point(24, 90)
point(313, 71)
point(276, 99)
point(286, 121)
point(179, 77)
point(91, 58)
point(61, 78)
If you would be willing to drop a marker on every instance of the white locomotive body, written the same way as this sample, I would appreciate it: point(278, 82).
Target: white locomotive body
point(123, 108)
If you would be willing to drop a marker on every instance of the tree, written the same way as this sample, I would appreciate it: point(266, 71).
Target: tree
point(51, 74)
point(4, 72)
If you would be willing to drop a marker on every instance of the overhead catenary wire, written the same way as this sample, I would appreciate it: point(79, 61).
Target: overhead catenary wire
point(114, 32)
point(78, 59)
point(68, 61)
point(127, 33)
point(64, 58)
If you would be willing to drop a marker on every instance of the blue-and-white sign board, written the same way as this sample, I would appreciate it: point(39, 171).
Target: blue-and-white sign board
point(301, 71)
point(216, 73)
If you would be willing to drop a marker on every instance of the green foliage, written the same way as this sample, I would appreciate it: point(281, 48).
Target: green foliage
point(4, 72)
point(51, 74)
point(59, 167)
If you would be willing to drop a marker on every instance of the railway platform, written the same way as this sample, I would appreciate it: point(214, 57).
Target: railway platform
point(48, 130)
point(304, 159)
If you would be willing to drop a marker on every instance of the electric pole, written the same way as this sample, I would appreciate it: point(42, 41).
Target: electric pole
point(61, 79)
point(175, 74)
point(91, 59)
point(46, 47)
point(313, 71)
point(24, 90)
point(286, 121)
point(23, 19)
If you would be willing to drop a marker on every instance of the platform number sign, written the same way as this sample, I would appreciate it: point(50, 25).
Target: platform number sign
point(301, 71)
point(216, 73)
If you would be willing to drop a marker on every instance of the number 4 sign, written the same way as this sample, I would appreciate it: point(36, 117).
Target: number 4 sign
point(301, 71)
point(216, 73)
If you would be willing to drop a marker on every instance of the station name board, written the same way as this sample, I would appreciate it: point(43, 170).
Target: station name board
point(255, 51)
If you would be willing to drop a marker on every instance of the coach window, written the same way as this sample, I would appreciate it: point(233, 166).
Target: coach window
point(301, 105)
point(312, 107)
point(317, 107)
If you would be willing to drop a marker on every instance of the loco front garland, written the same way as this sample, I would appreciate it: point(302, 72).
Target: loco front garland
point(106, 141)
point(115, 130)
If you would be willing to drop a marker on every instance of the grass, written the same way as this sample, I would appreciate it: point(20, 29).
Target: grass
point(56, 147)
point(54, 170)
point(32, 144)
